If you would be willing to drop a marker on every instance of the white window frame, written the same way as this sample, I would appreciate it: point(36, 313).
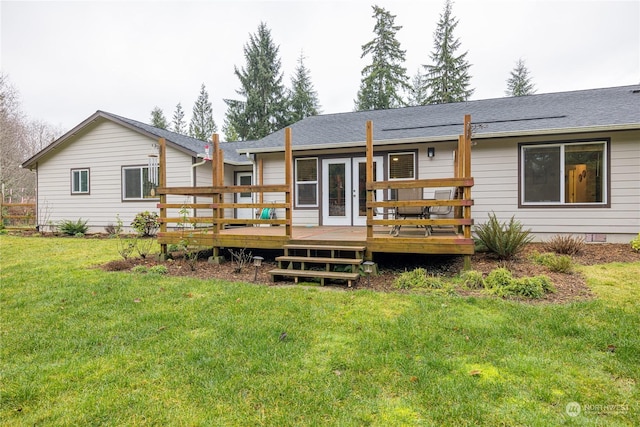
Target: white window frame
point(402, 153)
point(79, 172)
point(298, 183)
point(124, 186)
point(562, 145)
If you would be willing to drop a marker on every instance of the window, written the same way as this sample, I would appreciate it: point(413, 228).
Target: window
point(307, 182)
point(402, 166)
point(136, 184)
point(564, 173)
point(79, 181)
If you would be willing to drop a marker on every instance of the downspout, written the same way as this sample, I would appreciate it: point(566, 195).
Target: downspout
point(254, 174)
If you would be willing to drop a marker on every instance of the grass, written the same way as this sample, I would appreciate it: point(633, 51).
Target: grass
point(80, 346)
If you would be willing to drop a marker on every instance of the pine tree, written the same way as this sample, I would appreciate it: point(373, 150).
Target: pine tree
point(447, 79)
point(157, 118)
point(417, 93)
point(303, 99)
point(520, 84)
point(385, 78)
point(202, 125)
point(179, 126)
point(264, 108)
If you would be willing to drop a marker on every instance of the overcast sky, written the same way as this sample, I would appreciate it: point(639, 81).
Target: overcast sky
point(69, 59)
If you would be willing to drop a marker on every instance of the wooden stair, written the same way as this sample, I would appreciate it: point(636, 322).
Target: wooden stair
point(299, 258)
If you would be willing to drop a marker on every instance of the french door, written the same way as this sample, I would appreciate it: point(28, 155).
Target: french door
point(344, 195)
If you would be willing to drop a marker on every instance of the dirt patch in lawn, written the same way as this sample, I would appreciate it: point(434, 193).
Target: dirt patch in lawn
point(569, 287)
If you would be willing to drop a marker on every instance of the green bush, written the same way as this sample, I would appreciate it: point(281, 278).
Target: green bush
point(140, 269)
point(566, 245)
point(158, 269)
point(501, 282)
point(146, 223)
point(503, 239)
point(555, 263)
point(73, 228)
point(635, 243)
point(472, 279)
point(418, 278)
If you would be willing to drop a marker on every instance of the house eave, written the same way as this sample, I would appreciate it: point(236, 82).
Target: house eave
point(447, 138)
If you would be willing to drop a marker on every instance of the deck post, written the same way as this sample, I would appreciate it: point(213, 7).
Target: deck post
point(288, 167)
point(466, 173)
point(369, 178)
point(215, 199)
point(162, 182)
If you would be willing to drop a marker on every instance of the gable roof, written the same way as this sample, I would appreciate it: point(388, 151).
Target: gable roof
point(616, 108)
point(188, 145)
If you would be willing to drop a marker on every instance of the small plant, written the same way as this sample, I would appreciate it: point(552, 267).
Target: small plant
point(143, 246)
point(555, 263)
point(503, 239)
point(566, 245)
point(472, 279)
point(418, 278)
point(158, 269)
point(240, 258)
point(146, 223)
point(126, 245)
point(501, 282)
point(635, 243)
point(110, 229)
point(72, 228)
point(140, 269)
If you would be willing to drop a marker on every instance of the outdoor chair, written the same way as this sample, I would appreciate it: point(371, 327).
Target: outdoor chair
point(439, 210)
point(403, 212)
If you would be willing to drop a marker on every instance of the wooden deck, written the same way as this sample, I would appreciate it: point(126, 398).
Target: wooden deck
point(410, 240)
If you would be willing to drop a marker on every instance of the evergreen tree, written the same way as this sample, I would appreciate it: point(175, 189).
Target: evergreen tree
point(157, 118)
point(202, 125)
point(264, 108)
point(447, 79)
point(179, 126)
point(229, 132)
point(303, 99)
point(417, 93)
point(385, 78)
point(520, 84)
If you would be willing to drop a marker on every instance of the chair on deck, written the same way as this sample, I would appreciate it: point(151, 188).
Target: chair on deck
point(439, 210)
point(403, 212)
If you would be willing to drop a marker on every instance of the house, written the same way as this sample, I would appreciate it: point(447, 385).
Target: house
point(560, 163)
point(102, 170)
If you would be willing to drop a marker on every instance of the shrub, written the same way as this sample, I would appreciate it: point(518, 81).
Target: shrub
point(566, 245)
point(158, 269)
point(240, 258)
point(140, 269)
point(635, 243)
point(503, 239)
point(73, 228)
point(472, 279)
point(146, 223)
point(418, 278)
point(501, 282)
point(110, 229)
point(555, 263)
point(143, 246)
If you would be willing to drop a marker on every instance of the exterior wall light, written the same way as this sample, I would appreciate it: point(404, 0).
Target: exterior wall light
point(431, 152)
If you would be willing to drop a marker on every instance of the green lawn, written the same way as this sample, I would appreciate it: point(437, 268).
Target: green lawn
point(80, 346)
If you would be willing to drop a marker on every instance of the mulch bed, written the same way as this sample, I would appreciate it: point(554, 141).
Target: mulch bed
point(569, 287)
